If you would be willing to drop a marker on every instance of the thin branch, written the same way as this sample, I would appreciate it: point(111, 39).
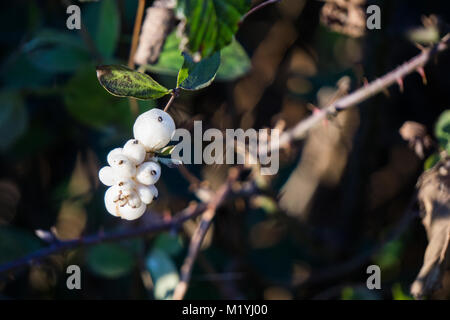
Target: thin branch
point(188, 213)
point(362, 94)
point(134, 107)
point(258, 7)
point(174, 94)
point(136, 31)
point(200, 232)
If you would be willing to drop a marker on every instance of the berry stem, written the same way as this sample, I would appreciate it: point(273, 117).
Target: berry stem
point(175, 92)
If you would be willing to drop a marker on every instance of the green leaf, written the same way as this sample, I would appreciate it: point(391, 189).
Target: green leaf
point(169, 243)
point(102, 20)
point(59, 59)
point(211, 24)
point(166, 151)
point(234, 61)
point(55, 51)
point(87, 102)
point(198, 75)
point(124, 82)
point(13, 118)
point(442, 130)
point(109, 260)
point(431, 161)
point(108, 28)
point(398, 293)
point(163, 272)
point(15, 243)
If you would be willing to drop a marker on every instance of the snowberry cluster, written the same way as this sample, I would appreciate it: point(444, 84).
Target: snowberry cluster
point(133, 170)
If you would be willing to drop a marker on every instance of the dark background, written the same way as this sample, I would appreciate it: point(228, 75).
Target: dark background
point(337, 196)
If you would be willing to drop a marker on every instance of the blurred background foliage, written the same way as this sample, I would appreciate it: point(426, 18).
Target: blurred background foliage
point(337, 195)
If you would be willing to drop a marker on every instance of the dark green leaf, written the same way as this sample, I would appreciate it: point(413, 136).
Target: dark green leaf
point(13, 118)
point(109, 260)
point(169, 243)
point(87, 102)
point(164, 274)
point(211, 24)
point(124, 82)
point(15, 243)
point(198, 75)
point(108, 28)
point(59, 58)
point(234, 62)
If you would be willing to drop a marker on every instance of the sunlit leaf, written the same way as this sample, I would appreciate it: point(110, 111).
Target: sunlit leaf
point(198, 75)
point(166, 151)
point(234, 61)
point(211, 24)
point(124, 82)
point(442, 130)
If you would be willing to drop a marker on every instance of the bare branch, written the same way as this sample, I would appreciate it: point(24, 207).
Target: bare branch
point(362, 94)
point(200, 232)
point(188, 213)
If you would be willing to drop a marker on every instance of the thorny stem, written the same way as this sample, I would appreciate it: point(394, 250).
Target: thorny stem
point(414, 65)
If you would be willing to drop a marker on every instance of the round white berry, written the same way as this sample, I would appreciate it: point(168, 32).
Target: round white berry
point(123, 167)
point(112, 154)
point(134, 150)
point(127, 212)
point(133, 200)
point(107, 176)
point(111, 200)
point(148, 173)
point(126, 186)
point(154, 129)
point(145, 193)
point(154, 190)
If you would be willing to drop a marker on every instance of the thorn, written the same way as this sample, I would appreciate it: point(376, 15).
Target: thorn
point(421, 71)
point(316, 110)
point(401, 85)
point(420, 47)
point(365, 82)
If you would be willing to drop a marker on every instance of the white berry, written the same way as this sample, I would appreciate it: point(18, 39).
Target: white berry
point(111, 200)
point(123, 167)
point(112, 154)
point(134, 150)
point(129, 213)
point(126, 186)
point(154, 129)
point(148, 173)
point(145, 193)
point(154, 190)
point(107, 176)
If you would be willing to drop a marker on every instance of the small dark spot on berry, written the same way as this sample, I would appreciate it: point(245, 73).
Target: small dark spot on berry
point(135, 142)
point(160, 119)
point(153, 172)
point(120, 184)
point(121, 162)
